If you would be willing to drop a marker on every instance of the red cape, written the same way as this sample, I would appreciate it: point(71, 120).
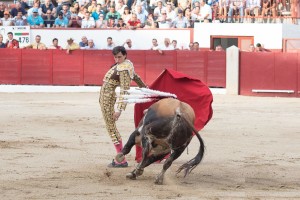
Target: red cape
point(187, 89)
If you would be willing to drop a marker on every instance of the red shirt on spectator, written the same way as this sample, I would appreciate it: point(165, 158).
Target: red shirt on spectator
point(12, 44)
point(134, 23)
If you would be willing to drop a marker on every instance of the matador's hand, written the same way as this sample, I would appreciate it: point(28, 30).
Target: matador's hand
point(117, 115)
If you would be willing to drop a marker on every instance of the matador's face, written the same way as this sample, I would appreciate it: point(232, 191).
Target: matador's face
point(119, 58)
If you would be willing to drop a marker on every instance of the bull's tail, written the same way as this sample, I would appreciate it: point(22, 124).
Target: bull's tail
point(190, 165)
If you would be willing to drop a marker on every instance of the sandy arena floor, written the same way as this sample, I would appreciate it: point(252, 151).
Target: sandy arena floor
point(55, 146)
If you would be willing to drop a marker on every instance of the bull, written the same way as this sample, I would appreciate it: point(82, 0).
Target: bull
point(166, 129)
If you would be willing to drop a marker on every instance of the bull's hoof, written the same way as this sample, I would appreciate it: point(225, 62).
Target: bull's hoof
point(159, 180)
point(139, 172)
point(131, 176)
point(120, 157)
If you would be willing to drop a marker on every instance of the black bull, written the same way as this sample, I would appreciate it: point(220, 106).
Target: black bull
point(166, 128)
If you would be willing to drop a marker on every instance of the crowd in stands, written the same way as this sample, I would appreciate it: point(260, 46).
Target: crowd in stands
point(133, 14)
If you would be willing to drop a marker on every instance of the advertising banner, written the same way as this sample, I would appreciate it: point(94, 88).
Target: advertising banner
point(21, 33)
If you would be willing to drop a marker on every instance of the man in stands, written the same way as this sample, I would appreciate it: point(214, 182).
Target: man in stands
point(49, 19)
point(141, 15)
point(61, 21)
point(37, 44)
point(167, 44)
point(2, 9)
point(112, 13)
point(128, 44)
point(196, 46)
point(48, 6)
point(236, 6)
point(110, 43)
point(55, 44)
point(155, 46)
point(11, 42)
point(84, 42)
point(18, 8)
point(35, 20)
point(134, 22)
point(6, 20)
point(19, 20)
point(71, 45)
point(88, 21)
point(180, 21)
point(2, 45)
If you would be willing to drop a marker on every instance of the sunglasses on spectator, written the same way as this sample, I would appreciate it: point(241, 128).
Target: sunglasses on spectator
point(163, 13)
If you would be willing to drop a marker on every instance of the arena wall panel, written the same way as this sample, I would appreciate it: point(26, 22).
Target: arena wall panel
point(138, 58)
point(216, 69)
point(67, 68)
point(36, 67)
point(10, 70)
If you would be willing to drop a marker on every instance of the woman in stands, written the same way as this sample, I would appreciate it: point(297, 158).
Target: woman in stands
point(120, 74)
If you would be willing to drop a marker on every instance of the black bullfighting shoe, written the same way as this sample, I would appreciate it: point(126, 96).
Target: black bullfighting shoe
point(113, 164)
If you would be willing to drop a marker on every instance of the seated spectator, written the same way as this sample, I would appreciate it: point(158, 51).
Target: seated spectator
point(6, 20)
point(252, 8)
point(110, 44)
point(75, 8)
point(71, 45)
point(49, 19)
point(112, 13)
point(90, 46)
point(88, 21)
point(66, 11)
point(134, 22)
point(11, 43)
point(84, 42)
point(111, 23)
point(16, 9)
point(167, 45)
point(188, 15)
point(128, 44)
point(120, 6)
point(55, 44)
point(183, 4)
point(35, 20)
point(219, 48)
point(48, 6)
point(158, 10)
point(180, 21)
point(269, 6)
point(236, 6)
point(205, 12)
point(98, 12)
point(155, 46)
point(150, 21)
point(171, 14)
point(82, 12)
point(27, 4)
point(101, 22)
point(163, 22)
point(61, 21)
point(2, 45)
point(75, 21)
point(2, 9)
point(223, 8)
point(36, 6)
point(121, 24)
point(196, 46)
point(126, 16)
point(19, 20)
point(37, 44)
point(93, 6)
point(141, 15)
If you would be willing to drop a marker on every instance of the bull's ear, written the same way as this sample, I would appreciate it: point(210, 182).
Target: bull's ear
point(145, 111)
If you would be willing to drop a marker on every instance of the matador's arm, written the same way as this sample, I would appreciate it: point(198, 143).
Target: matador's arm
point(139, 81)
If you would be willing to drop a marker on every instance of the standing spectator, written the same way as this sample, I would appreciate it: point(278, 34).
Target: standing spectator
point(84, 42)
point(141, 15)
point(134, 22)
point(167, 45)
point(126, 16)
point(37, 44)
point(6, 20)
point(237, 6)
point(196, 46)
point(2, 45)
point(71, 45)
point(97, 12)
point(155, 46)
point(110, 43)
point(55, 44)
point(35, 20)
point(11, 43)
point(48, 19)
point(88, 21)
point(128, 44)
point(48, 6)
point(205, 12)
point(180, 21)
point(112, 13)
point(90, 46)
point(252, 8)
point(61, 21)
point(19, 20)
point(101, 22)
point(121, 24)
point(18, 8)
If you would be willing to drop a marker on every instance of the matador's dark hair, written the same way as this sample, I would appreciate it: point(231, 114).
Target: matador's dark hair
point(119, 49)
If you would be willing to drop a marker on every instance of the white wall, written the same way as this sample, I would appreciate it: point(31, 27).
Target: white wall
point(270, 35)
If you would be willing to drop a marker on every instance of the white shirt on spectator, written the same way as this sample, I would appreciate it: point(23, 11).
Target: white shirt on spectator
point(90, 23)
point(6, 22)
point(204, 10)
point(170, 47)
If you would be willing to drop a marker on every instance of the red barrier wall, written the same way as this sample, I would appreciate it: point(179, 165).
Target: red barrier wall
point(269, 71)
point(83, 67)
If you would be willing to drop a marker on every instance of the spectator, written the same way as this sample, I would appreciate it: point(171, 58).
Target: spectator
point(75, 8)
point(251, 48)
point(121, 24)
point(219, 48)
point(112, 13)
point(83, 3)
point(191, 46)
point(150, 21)
point(167, 45)
point(126, 16)
point(92, 8)
point(75, 21)
point(174, 44)
point(11, 43)
point(90, 46)
point(27, 4)
point(49, 19)
point(110, 43)
point(16, 9)
point(61, 21)
point(37, 44)
point(155, 46)
point(2, 45)
point(180, 21)
point(128, 44)
point(196, 46)
point(101, 23)
point(66, 11)
point(252, 8)
point(120, 6)
point(205, 12)
point(84, 42)
point(183, 4)
point(141, 15)
point(171, 14)
point(48, 6)
point(98, 12)
point(6, 20)
point(36, 6)
point(55, 44)
point(188, 14)
point(163, 22)
point(35, 20)
point(82, 12)
point(158, 10)
point(111, 23)
point(71, 45)
point(134, 22)
point(19, 20)
point(88, 21)
point(269, 6)
point(237, 6)
point(260, 48)
point(2, 9)
point(223, 8)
